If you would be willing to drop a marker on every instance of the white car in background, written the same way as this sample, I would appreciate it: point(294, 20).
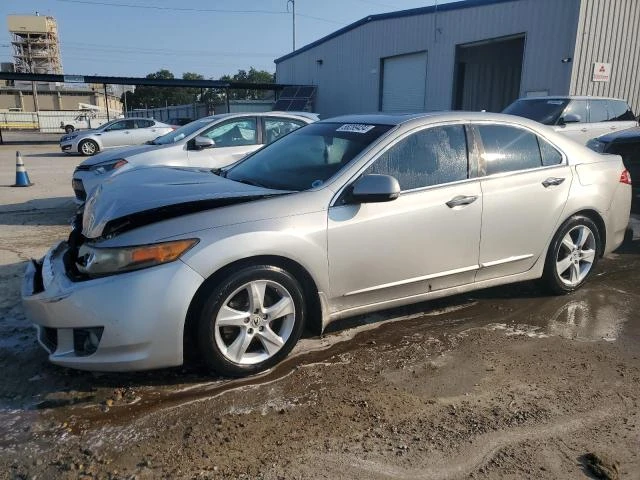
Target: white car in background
point(579, 118)
point(117, 133)
point(210, 142)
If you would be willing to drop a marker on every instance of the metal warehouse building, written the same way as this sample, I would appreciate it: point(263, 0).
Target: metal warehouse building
point(473, 55)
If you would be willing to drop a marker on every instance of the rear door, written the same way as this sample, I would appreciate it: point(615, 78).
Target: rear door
point(145, 130)
point(276, 127)
point(599, 116)
point(620, 116)
point(525, 186)
point(234, 139)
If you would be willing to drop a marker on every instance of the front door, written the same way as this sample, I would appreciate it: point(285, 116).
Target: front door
point(118, 134)
point(578, 131)
point(425, 240)
point(234, 139)
point(524, 191)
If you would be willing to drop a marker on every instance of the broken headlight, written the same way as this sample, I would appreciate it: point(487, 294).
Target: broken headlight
point(95, 261)
point(108, 166)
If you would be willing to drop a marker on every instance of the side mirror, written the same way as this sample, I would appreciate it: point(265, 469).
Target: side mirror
point(570, 118)
point(374, 188)
point(203, 142)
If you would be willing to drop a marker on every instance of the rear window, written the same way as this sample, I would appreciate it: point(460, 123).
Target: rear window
point(619, 111)
point(544, 110)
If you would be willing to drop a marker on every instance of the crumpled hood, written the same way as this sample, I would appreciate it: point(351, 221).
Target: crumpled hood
point(121, 152)
point(148, 195)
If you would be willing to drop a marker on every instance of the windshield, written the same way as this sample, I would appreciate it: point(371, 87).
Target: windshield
point(108, 124)
point(307, 157)
point(546, 111)
point(184, 131)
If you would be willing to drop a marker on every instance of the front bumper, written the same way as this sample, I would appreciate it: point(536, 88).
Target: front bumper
point(140, 315)
point(67, 147)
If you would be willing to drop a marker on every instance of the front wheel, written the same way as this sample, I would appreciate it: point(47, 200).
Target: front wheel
point(251, 320)
point(573, 255)
point(88, 147)
point(69, 129)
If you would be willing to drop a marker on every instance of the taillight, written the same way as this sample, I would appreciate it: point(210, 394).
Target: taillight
point(625, 177)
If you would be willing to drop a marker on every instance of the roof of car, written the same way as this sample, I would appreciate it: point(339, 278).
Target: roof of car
point(402, 118)
point(630, 135)
point(260, 114)
point(571, 97)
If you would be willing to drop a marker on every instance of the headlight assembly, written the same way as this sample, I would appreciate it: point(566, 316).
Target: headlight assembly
point(95, 261)
point(107, 167)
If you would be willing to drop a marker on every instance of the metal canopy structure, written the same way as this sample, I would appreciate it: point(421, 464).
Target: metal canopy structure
point(156, 82)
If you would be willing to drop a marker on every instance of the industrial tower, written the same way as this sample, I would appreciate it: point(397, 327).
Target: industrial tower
point(36, 47)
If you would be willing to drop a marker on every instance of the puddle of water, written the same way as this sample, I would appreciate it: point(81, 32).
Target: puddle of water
point(588, 315)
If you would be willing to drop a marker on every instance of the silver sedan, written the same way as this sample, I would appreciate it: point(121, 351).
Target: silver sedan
point(117, 133)
point(341, 217)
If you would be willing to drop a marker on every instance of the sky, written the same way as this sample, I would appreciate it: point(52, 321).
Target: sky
point(210, 37)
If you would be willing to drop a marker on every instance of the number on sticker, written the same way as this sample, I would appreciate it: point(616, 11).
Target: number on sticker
point(355, 128)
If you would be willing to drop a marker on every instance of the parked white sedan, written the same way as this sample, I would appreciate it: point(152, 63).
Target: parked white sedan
point(117, 133)
point(210, 142)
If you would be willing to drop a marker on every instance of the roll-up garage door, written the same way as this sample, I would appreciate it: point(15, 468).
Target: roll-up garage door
point(404, 81)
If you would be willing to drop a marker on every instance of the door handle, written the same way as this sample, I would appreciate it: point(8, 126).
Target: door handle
point(461, 200)
point(584, 130)
point(552, 181)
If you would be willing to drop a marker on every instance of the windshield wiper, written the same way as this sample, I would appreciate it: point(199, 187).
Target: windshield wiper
point(219, 171)
point(252, 182)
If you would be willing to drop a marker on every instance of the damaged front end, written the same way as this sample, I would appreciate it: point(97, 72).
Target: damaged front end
point(85, 258)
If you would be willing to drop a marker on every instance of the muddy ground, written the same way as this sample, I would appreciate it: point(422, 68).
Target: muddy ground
point(503, 383)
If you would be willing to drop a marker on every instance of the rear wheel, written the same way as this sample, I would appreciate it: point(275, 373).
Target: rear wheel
point(572, 255)
point(88, 147)
point(69, 129)
point(251, 320)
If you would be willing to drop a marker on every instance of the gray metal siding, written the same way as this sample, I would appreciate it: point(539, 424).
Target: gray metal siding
point(608, 32)
point(349, 76)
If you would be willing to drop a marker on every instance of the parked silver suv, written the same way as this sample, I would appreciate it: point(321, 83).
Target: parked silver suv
point(580, 118)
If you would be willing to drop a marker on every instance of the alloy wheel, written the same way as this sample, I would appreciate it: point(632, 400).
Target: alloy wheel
point(88, 148)
point(576, 255)
point(254, 322)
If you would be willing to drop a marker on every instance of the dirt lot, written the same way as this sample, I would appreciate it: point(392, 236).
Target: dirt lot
point(504, 383)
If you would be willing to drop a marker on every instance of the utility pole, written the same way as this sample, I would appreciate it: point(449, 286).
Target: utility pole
point(293, 15)
point(106, 100)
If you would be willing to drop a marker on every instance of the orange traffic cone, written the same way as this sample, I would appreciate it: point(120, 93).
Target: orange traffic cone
point(22, 177)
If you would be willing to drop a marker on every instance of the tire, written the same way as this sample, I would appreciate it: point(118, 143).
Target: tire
point(69, 129)
point(88, 148)
point(255, 336)
point(572, 256)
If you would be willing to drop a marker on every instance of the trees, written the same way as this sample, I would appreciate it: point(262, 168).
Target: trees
point(149, 96)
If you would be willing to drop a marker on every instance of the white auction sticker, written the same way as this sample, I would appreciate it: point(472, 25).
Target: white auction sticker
point(355, 128)
point(555, 102)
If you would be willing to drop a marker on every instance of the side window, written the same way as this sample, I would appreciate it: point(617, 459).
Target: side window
point(143, 123)
point(619, 111)
point(122, 125)
point(577, 107)
point(275, 128)
point(550, 156)
point(598, 111)
point(508, 149)
point(433, 156)
point(235, 133)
